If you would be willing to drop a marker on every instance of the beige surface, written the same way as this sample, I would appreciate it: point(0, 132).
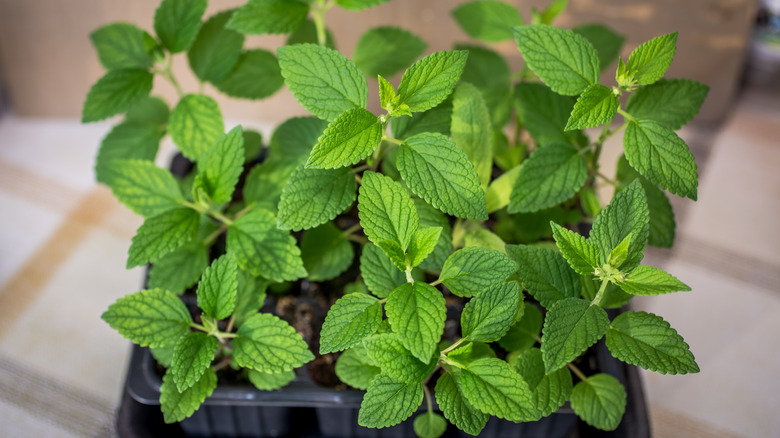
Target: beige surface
point(49, 64)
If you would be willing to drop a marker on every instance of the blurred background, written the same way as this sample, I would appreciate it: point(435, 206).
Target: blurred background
point(64, 240)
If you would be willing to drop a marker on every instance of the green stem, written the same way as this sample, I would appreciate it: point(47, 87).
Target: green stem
point(351, 230)
point(360, 168)
point(428, 398)
point(453, 346)
point(408, 272)
point(626, 115)
point(392, 140)
point(231, 321)
point(318, 15)
point(221, 217)
point(222, 364)
point(359, 239)
point(436, 283)
point(213, 236)
point(600, 294)
point(167, 73)
point(198, 327)
point(577, 372)
point(607, 179)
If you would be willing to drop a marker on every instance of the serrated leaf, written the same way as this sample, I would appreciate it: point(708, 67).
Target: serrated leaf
point(191, 357)
point(352, 137)
point(423, 243)
point(218, 288)
point(619, 253)
point(648, 62)
point(430, 217)
point(430, 80)
point(324, 81)
point(128, 140)
point(263, 249)
point(315, 196)
point(354, 369)
point(490, 21)
point(195, 124)
point(256, 75)
point(646, 340)
point(115, 93)
point(478, 235)
point(359, 5)
point(386, 92)
point(388, 402)
point(175, 405)
point(216, 49)
point(379, 273)
point(657, 153)
point(524, 333)
point(259, 17)
point(582, 255)
point(550, 391)
point(143, 187)
point(670, 102)
point(221, 165)
point(544, 113)
point(606, 42)
point(386, 211)
point(647, 280)
point(416, 312)
point(429, 425)
point(485, 68)
point(150, 318)
point(470, 352)
point(180, 269)
point(600, 401)
point(295, 138)
point(122, 45)
point(570, 327)
point(268, 344)
point(456, 408)
point(552, 174)
point(270, 381)
point(564, 60)
point(662, 225)
point(176, 22)
point(161, 234)
point(499, 191)
point(250, 297)
point(163, 355)
point(349, 321)
point(470, 271)
point(597, 105)
point(626, 214)
point(386, 50)
point(545, 274)
point(471, 129)
point(396, 361)
point(493, 387)
point(326, 253)
point(488, 316)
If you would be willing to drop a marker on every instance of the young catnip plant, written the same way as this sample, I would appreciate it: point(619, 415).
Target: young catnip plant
point(470, 184)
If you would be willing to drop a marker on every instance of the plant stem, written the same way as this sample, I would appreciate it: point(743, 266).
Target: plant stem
point(221, 217)
point(318, 15)
point(409, 278)
point(360, 168)
point(231, 321)
point(436, 283)
point(428, 398)
point(351, 230)
point(626, 115)
point(167, 73)
point(577, 372)
point(222, 364)
point(198, 327)
point(392, 140)
point(600, 294)
point(607, 179)
point(358, 239)
point(453, 346)
point(213, 236)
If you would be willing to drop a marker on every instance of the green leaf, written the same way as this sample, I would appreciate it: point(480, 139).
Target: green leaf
point(544, 113)
point(470, 271)
point(216, 49)
point(423, 243)
point(250, 297)
point(646, 340)
point(416, 312)
point(571, 326)
point(353, 368)
point(221, 165)
point(439, 172)
point(626, 214)
point(488, 316)
point(388, 402)
point(163, 355)
point(395, 360)
point(350, 138)
point(379, 273)
point(394, 251)
point(386, 211)
point(434, 120)
point(651, 59)
point(485, 69)
point(523, 333)
point(647, 280)
point(151, 110)
point(196, 123)
point(551, 11)
point(143, 187)
point(670, 102)
point(176, 22)
point(490, 21)
point(359, 5)
point(430, 217)
point(471, 130)
point(386, 50)
point(470, 352)
point(270, 381)
point(259, 17)
point(662, 224)
point(307, 33)
point(499, 191)
point(256, 75)
point(324, 81)
point(430, 80)
point(386, 92)
point(180, 269)
point(606, 42)
point(191, 357)
point(161, 234)
point(600, 401)
point(326, 252)
point(115, 93)
point(619, 254)
point(493, 387)
point(349, 320)
point(253, 145)
point(456, 408)
point(150, 318)
point(175, 405)
point(657, 153)
point(477, 235)
point(268, 344)
point(545, 274)
point(564, 60)
point(596, 106)
point(128, 140)
point(582, 255)
point(294, 139)
point(218, 288)
point(315, 196)
point(550, 391)
point(263, 249)
point(552, 174)
point(430, 425)
point(122, 45)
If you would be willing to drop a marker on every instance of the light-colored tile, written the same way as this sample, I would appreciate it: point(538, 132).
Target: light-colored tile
point(19, 423)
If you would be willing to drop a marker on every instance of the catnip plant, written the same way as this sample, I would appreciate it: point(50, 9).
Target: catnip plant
point(473, 188)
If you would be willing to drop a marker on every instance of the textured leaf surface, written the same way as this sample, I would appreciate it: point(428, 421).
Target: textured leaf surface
point(176, 22)
point(191, 357)
point(128, 140)
point(662, 224)
point(315, 196)
point(564, 60)
point(596, 106)
point(196, 123)
point(250, 297)
point(264, 250)
point(429, 425)
point(175, 405)
point(571, 326)
point(523, 333)
point(395, 360)
point(386, 211)
point(324, 81)
point(651, 59)
point(647, 280)
point(490, 21)
point(471, 129)
point(488, 316)
point(670, 102)
point(221, 165)
point(582, 255)
point(545, 274)
point(388, 402)
point(150, 318)
point(626, 214)
point(423, 243)
point(600, 401)
point(378, 271)
point(270, 381)
point(416, 312)
point(162, 234)
point(326, 252)
point(456, 408)
point(269, 16)
point(115, 93)
point(122, 45)
point(386, 50)
point(430, 80)
point(143, 187)
point(552, 174)
point(544, 113)
point(355, 370)
point(350, 319)
point(485, 68)
point(352, 137)
point(216, 49)
point(180, 269)
point(470, 271)
point(550, 391)
point(493, 387)
point(266, 343)
point(218, 288)
point(430, 217)
point(255, 75)
point(606, 42)
point(436, 119)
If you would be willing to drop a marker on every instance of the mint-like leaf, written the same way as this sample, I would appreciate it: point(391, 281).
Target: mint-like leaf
point(626, 214)
point(619, 253)
point(218, 288)
point(499, 191)
point(176, 22)
point(250, 297)
point(456, 408)
point(350, 138)
point(488, 316)
point(315, 196)
point(161, 234)
point(221, 165)
point(354, 369)
point(490, 21)
point(150, 318)
point(550, 391)
point(270, 381)
point(128, 140)
point(259, 17)
point(670, 102)
point(389, 402)
point(268, 344)
point(180, 269)
point(436, 119)
point(115, 93)
point(395, 360)
point(326, 253)
point(422, 244)
point(386, 50)
point(600, 401)
point(485, 69)
point(359, 5)
point(378, 271)
point(430, 80)
point(123, 45)
point(545, 113)
point(545, 274)
point(596, 106)
point(195, 124)
point(647, 280)
point(471, 129)
point(651, 59)
point(386, 211)
point(216, 49)
point(571, 326)
point(606, 42)
point(191, 357)
point(430, 217)
point(582, 255)
point(662, 224)
point(470, 271)
point(350, 319)
point(175, 405)
point(493, 387)
point(524, 333)
point(416, 312)
point(430, 425)
point(244, 80)
point(143, 187)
